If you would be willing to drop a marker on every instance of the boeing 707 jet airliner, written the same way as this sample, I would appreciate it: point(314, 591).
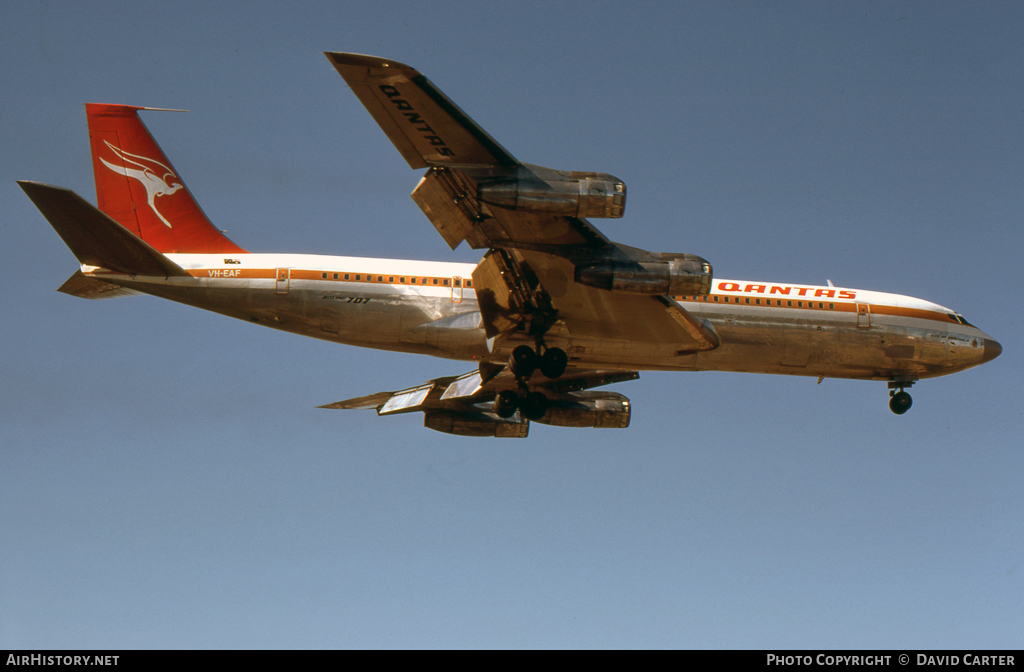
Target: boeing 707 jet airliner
point(553, 310)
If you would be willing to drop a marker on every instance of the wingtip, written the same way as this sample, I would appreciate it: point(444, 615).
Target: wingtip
point(29, 186)
point(344, 58)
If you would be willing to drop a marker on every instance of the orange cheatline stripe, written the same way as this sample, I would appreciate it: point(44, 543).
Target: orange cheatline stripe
point(305, 274)
point(874, 309)
point(428, 281)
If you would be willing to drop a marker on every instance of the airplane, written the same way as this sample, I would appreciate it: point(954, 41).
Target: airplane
point(553, 310)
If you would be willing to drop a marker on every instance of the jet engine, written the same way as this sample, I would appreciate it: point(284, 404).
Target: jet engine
point(474, 424)
point(671, 275)
point(556, 192)
point(588, 409)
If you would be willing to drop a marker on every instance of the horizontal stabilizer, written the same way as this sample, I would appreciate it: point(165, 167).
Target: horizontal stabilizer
point(85, 287)
point(94, 238)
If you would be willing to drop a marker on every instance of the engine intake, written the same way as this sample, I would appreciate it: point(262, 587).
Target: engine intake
point(681, 275)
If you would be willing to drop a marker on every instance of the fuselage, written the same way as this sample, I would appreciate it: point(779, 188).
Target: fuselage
point(431, 308)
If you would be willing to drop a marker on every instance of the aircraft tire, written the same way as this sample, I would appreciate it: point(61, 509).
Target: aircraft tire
point(534, 406)
point(900, 403)
point(523, 362)
point(506, 404)
point(553, 363)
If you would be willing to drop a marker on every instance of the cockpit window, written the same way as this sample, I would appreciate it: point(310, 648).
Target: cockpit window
point(959, 319)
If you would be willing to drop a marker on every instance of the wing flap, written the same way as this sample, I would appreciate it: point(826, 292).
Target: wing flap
point(446, 202)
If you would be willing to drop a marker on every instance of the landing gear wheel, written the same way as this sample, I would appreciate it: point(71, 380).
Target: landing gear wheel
point(523, 362)
point(900, 403)
point(506, 404)
point(534, 406)
point(553, 362)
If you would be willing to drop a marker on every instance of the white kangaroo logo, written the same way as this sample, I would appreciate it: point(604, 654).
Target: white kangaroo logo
point(147, 173)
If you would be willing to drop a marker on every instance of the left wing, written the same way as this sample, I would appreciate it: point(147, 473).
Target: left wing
point(465, 404)
point(429, 130)
point(547, 264)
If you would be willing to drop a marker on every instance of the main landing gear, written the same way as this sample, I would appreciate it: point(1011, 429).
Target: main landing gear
point(899, 402)
point(533, 405)
point(523, 362)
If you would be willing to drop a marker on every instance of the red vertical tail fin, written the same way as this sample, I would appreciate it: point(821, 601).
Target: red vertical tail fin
point(138, 187)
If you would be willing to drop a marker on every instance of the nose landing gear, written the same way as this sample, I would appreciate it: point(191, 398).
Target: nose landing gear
point(899, 402)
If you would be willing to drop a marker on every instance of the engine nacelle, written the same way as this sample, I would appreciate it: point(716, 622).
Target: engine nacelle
point(474, 424)
point(572, 194)
point(588, 409)
point(678, 275)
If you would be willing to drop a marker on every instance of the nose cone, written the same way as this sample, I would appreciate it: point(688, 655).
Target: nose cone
point(992, 350)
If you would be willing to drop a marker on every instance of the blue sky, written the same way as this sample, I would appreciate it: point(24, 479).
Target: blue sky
point(165, 477)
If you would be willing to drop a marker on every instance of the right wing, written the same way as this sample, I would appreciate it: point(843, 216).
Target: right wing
point(464, 404)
